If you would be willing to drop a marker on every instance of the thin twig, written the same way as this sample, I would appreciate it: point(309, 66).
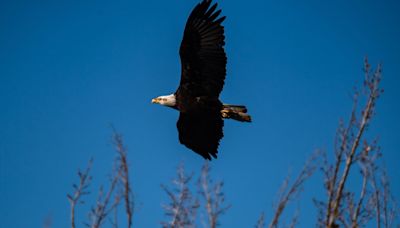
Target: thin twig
point(213, 196)
point(124, 176)
point(343, 135)
point(360, 201)
point(102, 209)
point(295, 219)
point(294, 190)
point(372, 89)
point(182, 208)
point(79, 191)
point(261, 221)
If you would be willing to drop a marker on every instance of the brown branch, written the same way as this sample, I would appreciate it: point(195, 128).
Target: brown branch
point(343, 135)
point(367, 159)
point(377, 203)
point(107, 202)
point(386, 196)
point(360, 200)
point(213, 196)
point(124, 177)
point(288, 194)
point(372, 90)
point(120, 179)
point(114, 221)
point(182, 208)
point(261, 221)
point(386, 209)
point(349, 160)
point(295, 219)
point(79, 191)
point(102, 209)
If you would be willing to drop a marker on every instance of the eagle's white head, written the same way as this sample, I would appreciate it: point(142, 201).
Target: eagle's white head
point(168, 100)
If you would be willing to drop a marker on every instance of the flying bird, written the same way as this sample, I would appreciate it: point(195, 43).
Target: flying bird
point(203, 62)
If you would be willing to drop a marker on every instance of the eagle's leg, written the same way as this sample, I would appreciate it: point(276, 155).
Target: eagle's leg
point(225, 113)
point(236, 112)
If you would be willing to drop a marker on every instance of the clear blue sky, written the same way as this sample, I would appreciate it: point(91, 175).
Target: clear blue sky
point(70, 68)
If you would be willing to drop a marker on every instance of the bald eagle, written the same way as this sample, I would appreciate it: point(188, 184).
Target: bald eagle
point(203, 61)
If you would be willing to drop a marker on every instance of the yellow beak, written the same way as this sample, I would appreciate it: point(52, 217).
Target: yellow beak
point(153, 101)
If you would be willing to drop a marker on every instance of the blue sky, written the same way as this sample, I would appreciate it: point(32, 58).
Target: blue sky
point(68, 69)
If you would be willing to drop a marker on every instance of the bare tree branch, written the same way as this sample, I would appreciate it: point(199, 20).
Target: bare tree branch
point(295, 219)
point(360, 201)
point(349, 138)
point(183, 207)
point(213, 196)
point(261, 221)
point(79, 191)
point(124, 177)
point(288, 193)
point(102, 209)
point(342, 139)
point(385, 206)
point(119, 189)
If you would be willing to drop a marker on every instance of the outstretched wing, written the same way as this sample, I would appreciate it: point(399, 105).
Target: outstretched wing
point(202, 52)
point(201, 132)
